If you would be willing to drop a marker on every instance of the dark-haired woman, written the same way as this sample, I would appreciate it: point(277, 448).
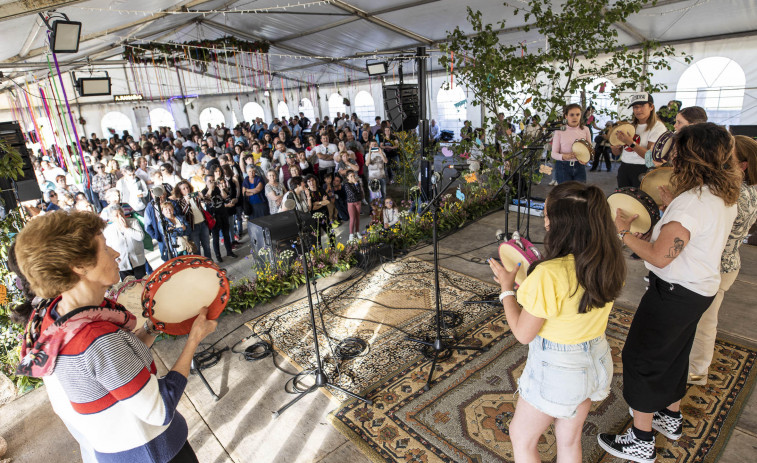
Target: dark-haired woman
point(561, 312)
point(567, 166)
point(683, 258)
point(190, 208)
point(98, 370)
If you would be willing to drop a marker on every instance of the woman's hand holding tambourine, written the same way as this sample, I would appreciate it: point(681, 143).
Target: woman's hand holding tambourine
point(202, 326)
point(624, 137)
point(623, 220)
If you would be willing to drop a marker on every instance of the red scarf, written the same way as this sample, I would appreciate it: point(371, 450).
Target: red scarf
point(41, 347)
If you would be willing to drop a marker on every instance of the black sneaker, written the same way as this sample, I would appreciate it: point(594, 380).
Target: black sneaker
point(628, 447)
point(232, 255)
point(670, 427)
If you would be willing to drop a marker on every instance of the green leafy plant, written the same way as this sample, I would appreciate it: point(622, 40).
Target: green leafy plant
point(11, 162)
point(580, 45)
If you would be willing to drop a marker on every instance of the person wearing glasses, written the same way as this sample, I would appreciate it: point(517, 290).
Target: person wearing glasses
point(51, 200)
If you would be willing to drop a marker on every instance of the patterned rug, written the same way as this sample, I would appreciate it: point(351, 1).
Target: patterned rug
point(466, 414)
point(382, 308)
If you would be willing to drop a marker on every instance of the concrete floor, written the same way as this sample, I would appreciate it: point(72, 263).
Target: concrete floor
point(240, 427)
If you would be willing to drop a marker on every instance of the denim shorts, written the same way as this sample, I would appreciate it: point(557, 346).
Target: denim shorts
point(559, 377)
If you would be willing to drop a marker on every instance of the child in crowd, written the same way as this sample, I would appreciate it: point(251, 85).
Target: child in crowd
point(561, 312)
point(567, 166)
point(391, 213)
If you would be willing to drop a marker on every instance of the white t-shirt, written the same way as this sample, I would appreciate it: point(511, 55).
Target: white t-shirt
point(708, 221)
point(326, 149)
point(644, 138)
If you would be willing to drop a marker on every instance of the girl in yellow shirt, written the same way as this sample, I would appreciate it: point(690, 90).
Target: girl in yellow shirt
point(561, 312)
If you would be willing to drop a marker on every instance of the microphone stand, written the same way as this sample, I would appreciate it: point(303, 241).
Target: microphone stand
point(321, 379)
point(439, 346)
point(193, 368)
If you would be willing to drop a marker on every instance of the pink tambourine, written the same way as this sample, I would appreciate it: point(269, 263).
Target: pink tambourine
point(518, 250)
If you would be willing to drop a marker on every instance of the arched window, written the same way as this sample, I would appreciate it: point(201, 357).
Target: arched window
point(212, 116)
point(115, 122)
point(306, 107)
point(452, 107)
point(160, 117)
point(336, 105)
point(597, 94)
point(283, 110)
point(251, 111)
point(716, 84)
point(365, 107)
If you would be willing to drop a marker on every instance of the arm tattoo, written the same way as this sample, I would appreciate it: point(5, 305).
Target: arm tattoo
point(676, 249)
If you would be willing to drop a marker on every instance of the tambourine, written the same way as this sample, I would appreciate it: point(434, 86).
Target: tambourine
point(634, 201)
point(518, 250)
point(655, 178)
point(583, 150)
point(128, 293)
point(661, 149)
point(625, 127)
point(175, 293)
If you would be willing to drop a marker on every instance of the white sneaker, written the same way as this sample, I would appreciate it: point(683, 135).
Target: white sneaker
point(358, 236)
point(352, 238)
point(553, 183)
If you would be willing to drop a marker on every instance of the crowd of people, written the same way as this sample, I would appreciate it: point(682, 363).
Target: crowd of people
point(215, 179)
point(180, 189)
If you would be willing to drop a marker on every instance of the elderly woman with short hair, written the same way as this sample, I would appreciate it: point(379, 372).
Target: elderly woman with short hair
point(99, 373)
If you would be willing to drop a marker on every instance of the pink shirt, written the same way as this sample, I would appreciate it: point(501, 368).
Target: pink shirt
point(562, 141)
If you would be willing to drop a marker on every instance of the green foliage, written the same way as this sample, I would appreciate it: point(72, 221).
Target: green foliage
point(11, 163)
point(580, 44)
point(10, 333)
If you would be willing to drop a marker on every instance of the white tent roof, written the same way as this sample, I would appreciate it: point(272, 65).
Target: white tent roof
point(322, 41)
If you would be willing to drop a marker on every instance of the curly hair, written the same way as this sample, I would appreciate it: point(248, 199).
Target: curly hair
point(50, 246)
point(704, 157)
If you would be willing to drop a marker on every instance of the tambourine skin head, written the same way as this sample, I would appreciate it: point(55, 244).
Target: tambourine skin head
point(654, 179)
point(625, 127)
point(178, 290)
point(661, 148)
point(634, 201)
point(583, 150)
point(513, 252)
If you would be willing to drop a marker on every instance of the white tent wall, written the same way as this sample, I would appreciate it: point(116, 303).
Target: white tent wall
point(232, 97)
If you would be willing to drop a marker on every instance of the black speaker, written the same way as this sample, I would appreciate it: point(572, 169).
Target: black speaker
point(277, 232)
point(26, 185)
point(401, 105)
point(748, 130)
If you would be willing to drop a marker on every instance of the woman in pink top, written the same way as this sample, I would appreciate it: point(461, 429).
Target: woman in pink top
point(567, 167)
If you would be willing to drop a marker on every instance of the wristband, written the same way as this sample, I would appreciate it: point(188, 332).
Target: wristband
point(504, 294)
point(622, 234)
point(632, 145)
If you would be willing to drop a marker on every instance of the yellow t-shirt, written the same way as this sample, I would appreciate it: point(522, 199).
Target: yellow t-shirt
point(548, 292)
point(256, 157)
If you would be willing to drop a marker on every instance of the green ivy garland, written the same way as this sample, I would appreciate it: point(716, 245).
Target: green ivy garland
point(198, 50)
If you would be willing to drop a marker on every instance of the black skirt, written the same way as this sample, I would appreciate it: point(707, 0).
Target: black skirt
point(656, 353)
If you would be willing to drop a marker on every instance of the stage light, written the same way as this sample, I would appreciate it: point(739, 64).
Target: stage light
point(65, 36)
point(93, 86)
point(376, 68)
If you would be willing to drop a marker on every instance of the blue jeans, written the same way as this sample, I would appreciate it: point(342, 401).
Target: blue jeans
point(558, 377)
point(201, 238)
point(569, 170)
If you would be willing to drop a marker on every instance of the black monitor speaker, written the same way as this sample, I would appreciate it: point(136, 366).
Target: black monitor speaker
point(25, 186)
point(276, 232)
point(402, 106)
